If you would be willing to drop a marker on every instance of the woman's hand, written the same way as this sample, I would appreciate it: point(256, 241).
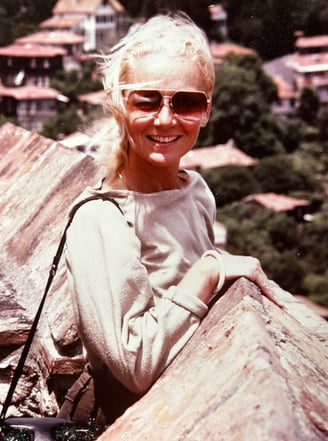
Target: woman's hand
point(250, 267)
point(202, 278)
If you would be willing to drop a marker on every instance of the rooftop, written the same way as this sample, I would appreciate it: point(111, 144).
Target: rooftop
point(314, 41)
point(58, 38)
point(276, 202)
point(221, 50)
point(84, 6)
point(60, 22)
point(30, 50)
point(217, 156)
point(29, 92)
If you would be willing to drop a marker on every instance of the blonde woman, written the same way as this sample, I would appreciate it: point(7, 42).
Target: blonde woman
point(142, 280)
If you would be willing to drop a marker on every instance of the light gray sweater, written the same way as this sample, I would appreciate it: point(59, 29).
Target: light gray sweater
point(123, 271)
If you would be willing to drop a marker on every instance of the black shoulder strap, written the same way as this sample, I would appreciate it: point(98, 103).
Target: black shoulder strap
point(52, 272)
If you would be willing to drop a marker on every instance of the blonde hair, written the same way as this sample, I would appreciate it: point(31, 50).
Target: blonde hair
point(175, 35)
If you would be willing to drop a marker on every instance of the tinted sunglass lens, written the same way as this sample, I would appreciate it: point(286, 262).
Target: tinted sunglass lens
point(145, 100)
point(189, 103)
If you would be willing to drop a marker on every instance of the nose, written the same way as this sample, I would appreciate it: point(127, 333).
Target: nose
point(165, 114)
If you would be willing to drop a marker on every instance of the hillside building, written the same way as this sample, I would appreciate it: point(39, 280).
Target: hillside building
point(309, 64)
point(98, 21)
point(30, 105)
point(30, 64)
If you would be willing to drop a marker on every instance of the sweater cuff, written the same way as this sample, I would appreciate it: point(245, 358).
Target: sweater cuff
point(186, 301)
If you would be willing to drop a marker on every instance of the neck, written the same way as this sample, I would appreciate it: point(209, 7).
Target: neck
point(150, 179)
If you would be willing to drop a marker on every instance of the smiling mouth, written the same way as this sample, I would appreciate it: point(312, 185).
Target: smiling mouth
point(163, 139)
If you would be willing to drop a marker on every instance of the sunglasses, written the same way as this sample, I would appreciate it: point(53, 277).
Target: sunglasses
point(184, 104)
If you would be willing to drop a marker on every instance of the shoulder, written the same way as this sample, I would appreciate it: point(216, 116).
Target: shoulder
point(95, 210)
point(193, 178)
point(200, 191)
point(197, 182)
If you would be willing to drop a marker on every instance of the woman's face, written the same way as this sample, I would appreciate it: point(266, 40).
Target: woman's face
point(162, 137)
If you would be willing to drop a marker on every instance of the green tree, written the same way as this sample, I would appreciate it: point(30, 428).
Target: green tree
point(280, 174)
point(230, 183)
point(309, 105)
point(242, 108)
point(198, 11)
point(76, 82)
point(65, 122)
point(323, 125)
point(271, 237)
point(267, 26)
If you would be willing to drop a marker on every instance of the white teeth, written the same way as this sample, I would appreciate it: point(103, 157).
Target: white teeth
point(164, 139)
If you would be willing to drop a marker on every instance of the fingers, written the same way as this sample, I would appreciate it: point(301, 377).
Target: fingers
point(250, 267)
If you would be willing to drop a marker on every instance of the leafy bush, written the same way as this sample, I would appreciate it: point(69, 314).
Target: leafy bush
point(230, 183)
point(286, 251)
point(279, 174)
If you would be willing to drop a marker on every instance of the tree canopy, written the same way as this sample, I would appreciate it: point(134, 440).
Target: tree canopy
point(241, 108)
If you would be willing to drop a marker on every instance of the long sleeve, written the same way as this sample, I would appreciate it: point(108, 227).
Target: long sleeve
point(134, 328)
point(130, 314)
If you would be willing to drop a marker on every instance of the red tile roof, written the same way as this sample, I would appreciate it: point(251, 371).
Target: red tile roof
point(60, 22)
point(52, 38)
point(314, 41)
point(221, 50)
point(218, 156)
point(84, 6)
point(31, 50)
point(29, 92)
point(276, 202)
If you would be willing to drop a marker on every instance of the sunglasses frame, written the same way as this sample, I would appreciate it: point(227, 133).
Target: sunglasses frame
point(162, 93)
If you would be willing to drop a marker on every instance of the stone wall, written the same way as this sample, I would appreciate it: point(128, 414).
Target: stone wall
point(251, 372)
point(39, 180)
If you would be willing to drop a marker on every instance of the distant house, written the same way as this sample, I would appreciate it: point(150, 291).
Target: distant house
point(29, 64)
point(277, 202)
point(96, 20)
point(310, 65)
point(218, 156)
point(70, 42)
point(30, 105)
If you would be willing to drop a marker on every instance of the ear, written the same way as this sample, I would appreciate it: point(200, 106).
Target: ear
point(206, 115)
point(208, 111)
point(203, 121)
